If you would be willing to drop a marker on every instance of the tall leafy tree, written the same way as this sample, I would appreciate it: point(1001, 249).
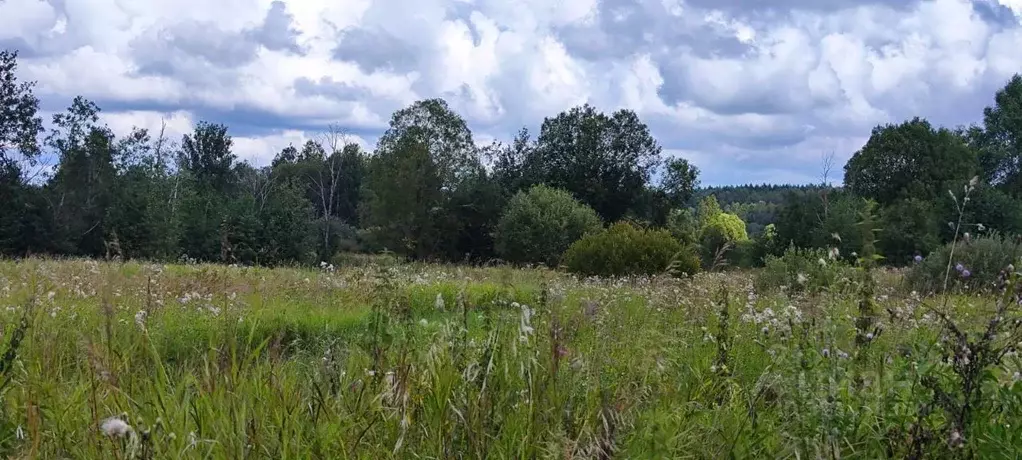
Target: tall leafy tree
point(403, 207)
point(680, 179)
point(20, 126)
point(910, 160)
point(604, 161)
point(206, 154)
point(1000, 140)
point(417, 187)
point(82, 188)
point(443, 133)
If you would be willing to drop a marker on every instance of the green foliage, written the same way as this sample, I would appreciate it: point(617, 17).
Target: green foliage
point(683, 226)
point(708, 209)
point(909, 228)
point(539, 225)
point(623, 249)
point(206, 154)
point(909, 160)
point(984, 257)
point(724, 227)
point(604, 161)
point(410, 360)
point(720, 232)
point(404, 201)
point(356, 259)
point(686, 262)
point(801, 270)
point(425, 194)
point(1000, 139)
point(744, 254)
point(824, 220)
point(679, 182)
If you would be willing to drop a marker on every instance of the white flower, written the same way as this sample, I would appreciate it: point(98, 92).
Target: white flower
point(439, 303)
point(140, 318)
point(826, 352)
point(115, 427)
point(801, 278)
point(423, 322)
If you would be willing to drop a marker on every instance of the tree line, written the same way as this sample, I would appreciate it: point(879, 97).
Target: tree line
point(425, 192)
point(428, 192)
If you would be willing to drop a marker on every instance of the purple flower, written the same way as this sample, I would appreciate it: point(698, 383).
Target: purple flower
point(966, 273)
point(918, 258)
point(959, 267)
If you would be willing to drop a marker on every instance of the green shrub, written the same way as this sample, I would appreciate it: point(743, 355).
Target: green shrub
point(801, 270)
point(683, 225)
point(909, 227)
point(719, 230)
point(686, 261)
point(623, 249)
point(744, 254)
point(981, 259)
point(539, 225)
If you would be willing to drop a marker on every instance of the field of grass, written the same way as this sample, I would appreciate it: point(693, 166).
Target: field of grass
point(111, 360)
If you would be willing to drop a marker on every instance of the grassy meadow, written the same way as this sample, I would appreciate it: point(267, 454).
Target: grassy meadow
point(132, 360)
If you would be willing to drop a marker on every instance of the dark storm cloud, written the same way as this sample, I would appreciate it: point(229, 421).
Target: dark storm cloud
point(376, 49)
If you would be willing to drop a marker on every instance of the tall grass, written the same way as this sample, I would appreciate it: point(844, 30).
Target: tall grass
point(451, 362)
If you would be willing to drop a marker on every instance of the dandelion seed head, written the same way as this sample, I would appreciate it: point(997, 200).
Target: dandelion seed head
point(115, 427)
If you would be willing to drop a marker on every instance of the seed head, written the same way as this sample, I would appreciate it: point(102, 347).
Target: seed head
point(115, 427)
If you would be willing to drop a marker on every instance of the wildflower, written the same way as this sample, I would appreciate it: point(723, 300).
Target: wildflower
point(980, 227)
point(140, 318)
point(423, 322)
point(842, 354)
point(966, 273)
point(823, 263)
point(826, 352)
point(869, 336)
point(765, 330)
point(957, 440)
point(115, 427)
point(834, 253)
point(918, 258)
point(801, 278)
point(439, 303)
point(959, 267)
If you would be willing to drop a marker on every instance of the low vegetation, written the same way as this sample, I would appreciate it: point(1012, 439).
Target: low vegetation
point(127, 360)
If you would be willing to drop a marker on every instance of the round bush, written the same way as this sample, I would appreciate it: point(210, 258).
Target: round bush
point(539, 225)
point(724, 227)
point(624, 249)
point(976, 264)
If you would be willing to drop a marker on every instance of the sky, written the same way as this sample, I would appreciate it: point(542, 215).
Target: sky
point(750, 91)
